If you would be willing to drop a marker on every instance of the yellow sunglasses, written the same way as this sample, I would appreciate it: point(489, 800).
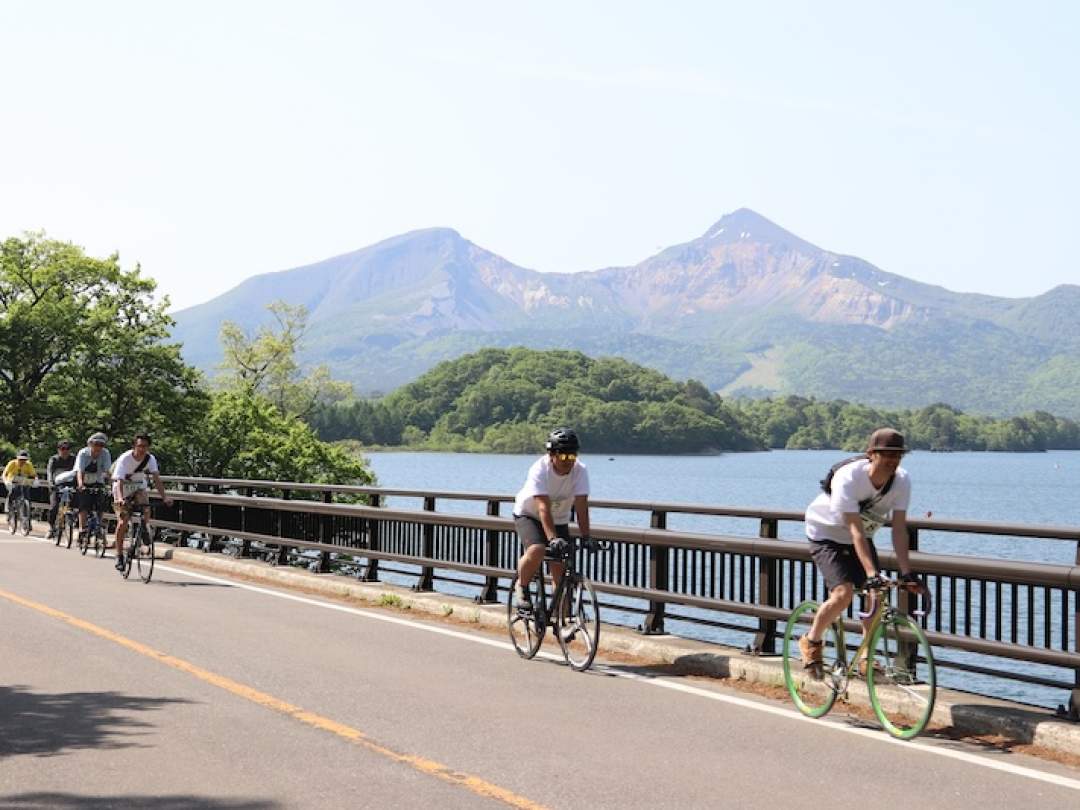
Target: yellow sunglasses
point(566, 456)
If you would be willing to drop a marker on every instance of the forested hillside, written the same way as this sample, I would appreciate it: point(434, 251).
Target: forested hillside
point(505, 400)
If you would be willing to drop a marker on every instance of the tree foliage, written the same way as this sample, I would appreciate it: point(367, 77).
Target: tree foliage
point(82, 348)
point(265, 363)
point(506, 400)
point(800, 422)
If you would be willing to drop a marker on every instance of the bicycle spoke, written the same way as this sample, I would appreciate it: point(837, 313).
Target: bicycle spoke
point(579, 624)
point(902, 681)
point(813, 690)
point(526, 627)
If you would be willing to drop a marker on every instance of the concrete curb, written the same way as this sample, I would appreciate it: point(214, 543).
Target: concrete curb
point(968, 714)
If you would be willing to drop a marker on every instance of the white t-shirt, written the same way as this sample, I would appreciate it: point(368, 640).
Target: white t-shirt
point(561, 489)
point(126, 463)
point(853, 492)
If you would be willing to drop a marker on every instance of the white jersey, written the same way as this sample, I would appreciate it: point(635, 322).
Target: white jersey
point(852, 491)
point(561, 489)
point(124, 468)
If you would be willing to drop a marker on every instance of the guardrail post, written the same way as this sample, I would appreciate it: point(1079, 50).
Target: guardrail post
point(659, 578)
point(490, 594)
point(1074, 698)
point(245, 544)
point(427, 572)
point(371, 570)
point(325, 523)
point(764, 642)
point(907, 601)
point(282, 555)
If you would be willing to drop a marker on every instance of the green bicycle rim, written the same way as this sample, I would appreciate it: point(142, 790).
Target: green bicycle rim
point(902, 696)
point(812, 697)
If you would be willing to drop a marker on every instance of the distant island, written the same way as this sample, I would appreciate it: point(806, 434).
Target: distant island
point(505, 401)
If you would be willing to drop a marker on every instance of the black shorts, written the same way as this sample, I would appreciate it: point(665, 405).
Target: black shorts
point(93, 500)
point(838, 562)
point(531, 531)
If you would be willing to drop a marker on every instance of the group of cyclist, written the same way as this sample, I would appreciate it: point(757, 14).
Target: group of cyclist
point(861, 496)
point(88, 476)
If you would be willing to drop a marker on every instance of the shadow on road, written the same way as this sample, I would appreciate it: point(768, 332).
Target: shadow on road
point(43, 724)
point(40, 801)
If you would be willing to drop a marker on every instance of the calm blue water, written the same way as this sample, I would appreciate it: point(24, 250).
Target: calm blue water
point(1036, 488)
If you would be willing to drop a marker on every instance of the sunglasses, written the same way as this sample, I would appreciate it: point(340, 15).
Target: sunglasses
point(566, 456)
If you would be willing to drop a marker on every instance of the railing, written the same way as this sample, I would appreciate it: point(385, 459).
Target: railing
point(992, 612)
point(1002, 609)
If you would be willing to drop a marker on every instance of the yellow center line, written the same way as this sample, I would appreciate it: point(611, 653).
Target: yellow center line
point(473, 783)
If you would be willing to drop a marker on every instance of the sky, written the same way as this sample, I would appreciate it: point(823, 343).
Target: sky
point(212, 141)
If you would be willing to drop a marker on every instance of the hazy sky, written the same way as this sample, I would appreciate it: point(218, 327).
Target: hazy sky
point(214, 141)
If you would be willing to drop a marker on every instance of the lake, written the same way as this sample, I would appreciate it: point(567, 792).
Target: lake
point(1030, 488)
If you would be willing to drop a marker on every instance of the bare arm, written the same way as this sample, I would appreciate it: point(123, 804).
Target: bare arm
point(581, 509)
point(862, 545)
point(901, 540)
point(543, 506)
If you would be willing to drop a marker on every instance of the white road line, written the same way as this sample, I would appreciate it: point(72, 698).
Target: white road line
point(875, 735)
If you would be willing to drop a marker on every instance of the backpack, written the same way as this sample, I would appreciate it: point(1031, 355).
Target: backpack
point(826, 482)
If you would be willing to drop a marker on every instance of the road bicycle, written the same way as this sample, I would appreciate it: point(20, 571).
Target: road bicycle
point(573, 612)
point(94, 533)
point(894, 656)
point(140, 550)
point(67, 519)
point(19, 504)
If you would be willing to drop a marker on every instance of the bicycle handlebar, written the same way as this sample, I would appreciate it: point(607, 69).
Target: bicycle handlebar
point(888, 583)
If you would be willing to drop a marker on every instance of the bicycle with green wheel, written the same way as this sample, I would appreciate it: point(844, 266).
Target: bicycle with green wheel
point(573, 612)
point(894, 657)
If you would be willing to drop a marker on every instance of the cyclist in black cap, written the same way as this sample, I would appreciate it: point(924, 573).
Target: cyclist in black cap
point(861, 495)
point(556, 483)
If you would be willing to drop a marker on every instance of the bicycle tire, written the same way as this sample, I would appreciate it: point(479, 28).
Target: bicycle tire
point(68, 528)
point(577, 624)
point(12, 519)
point(902, 701)
point(814, 696)
point(144, 559)
point(99, 540)
point(83, 540)
point(527, 628)
point(27, 525)
point(133, 545)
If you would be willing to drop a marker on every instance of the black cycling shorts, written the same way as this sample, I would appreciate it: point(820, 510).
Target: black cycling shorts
point(838, 562)
point(531, 531)
point(92, 500)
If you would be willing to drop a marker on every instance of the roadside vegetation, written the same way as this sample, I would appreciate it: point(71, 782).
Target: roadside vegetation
point(84, 346)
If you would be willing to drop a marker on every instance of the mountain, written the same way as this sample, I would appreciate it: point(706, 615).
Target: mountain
point(746, 308)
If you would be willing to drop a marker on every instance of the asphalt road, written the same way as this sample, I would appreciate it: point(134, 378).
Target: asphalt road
point(196, 692)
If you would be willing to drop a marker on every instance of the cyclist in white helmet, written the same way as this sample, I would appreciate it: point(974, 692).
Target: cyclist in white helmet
point(91, 476)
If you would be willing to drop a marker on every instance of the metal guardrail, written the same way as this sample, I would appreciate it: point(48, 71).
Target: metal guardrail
point(1002, 609)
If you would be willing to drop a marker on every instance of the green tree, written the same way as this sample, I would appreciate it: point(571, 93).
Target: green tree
point(266, 364)
point(82, 348)
point(244, 435)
